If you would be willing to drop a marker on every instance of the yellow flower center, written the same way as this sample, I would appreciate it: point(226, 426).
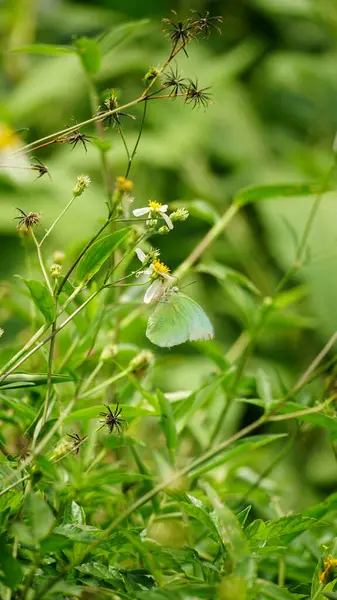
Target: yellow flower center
point(154, 205)
point(160, 268)
point(8, 137)
point(123, 184)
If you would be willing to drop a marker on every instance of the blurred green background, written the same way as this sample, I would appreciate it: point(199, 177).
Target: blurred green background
point(273, 74)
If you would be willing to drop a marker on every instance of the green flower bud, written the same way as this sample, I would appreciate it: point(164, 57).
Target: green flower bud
point(83, 181)
point(152, 73)
point(55, 270)
point(163, 230)
point(109, 352)
point(140, 363)
point(181, 214)
point(61, 450)
point(58, 256)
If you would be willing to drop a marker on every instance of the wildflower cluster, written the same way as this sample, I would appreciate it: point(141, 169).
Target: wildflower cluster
point(159, 275)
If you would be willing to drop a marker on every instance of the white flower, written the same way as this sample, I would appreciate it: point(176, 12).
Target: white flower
point(160, 275)
point(154, 210)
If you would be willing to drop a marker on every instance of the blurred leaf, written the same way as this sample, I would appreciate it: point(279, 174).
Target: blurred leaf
point(98, 253)
point(42, 298)
point(119, 34)
point(40, 516)
point(21, 380)
point(318, 418)
point(256, 193)
point(92, 412)
point(270, 591)
point(167, 423)
point(223, 273)
point(236, 450)
point(89, 53)
point(200, 209)
point(46, 49)
point(11, 573)
point(264, 389)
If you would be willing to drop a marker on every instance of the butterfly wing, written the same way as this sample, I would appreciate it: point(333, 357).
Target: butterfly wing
point(199, 325)
point(167, 326)
point(177, 319)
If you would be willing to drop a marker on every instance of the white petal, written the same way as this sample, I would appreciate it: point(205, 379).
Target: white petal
point(152, 291)
point(149, 270)
point(141, 255)
point(163, 208)
point(169, 277)
point(138, 212)
point(167, 220)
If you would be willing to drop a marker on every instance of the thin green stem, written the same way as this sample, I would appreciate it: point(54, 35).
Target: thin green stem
point(48, 232)
point(43, 269)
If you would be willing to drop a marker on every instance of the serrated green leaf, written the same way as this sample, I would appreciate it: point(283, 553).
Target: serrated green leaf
point(100, 571)
point(98, 253)
point(39, 515)
point(42, 299)
point(46, 49)
point(256, 193)
point(271, 591)
point(89, 53)
point(277, 532)
point(167, 423)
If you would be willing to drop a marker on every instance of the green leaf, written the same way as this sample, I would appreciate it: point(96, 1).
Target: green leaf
point(264, 390)
point(316, 418)
point(256, 193)
point(223, 274)
point(98, 253)
point(92, 412)
point(200, 209)
point(197, 510)
point(40, 516)
point(279, 531)
point(42, 298)
point(89, 53)
point(84, 534)
point(11, 573)
point(271, 591)
point(46, 49)
point(236, 450)
point(167, 423)
point(74, 513)
point(22, 380)
point(117, 35)
point(330, 596)
point(101, 571)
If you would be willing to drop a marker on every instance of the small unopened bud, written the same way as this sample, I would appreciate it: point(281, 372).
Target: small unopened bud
point(83, 181)
point(124, 184)
point(152, 73)
point(63, 448)
point(55, 270)
point(140, 363)
point(109, 352)
point(151, 223)
point(58, 257)
point(1, 332)
point(181, 214)
point(163, 230)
